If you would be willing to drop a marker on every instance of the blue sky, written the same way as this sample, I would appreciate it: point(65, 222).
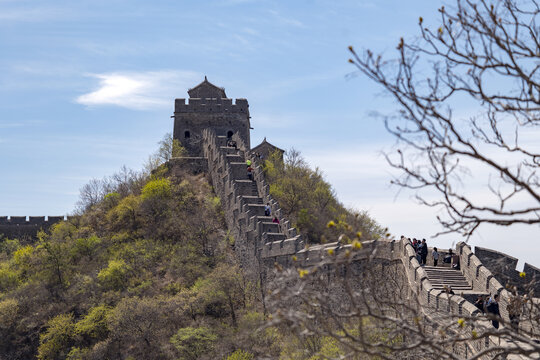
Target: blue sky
point(89, 86)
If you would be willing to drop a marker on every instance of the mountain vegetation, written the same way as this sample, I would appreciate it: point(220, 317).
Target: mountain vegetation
point(311, 204)
point(145, 270)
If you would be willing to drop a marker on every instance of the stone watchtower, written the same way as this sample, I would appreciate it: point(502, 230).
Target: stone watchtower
point(209, 107)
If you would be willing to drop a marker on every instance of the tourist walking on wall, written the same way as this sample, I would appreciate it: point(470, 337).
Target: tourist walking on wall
point(250, 173)
point(267, 209)
point(435, 255)
point(493, 309)
point(448, 258)
point(232, 143)
point(455, 261)
point(480, 303)
point(423, 252)
point(416, 245)
point(275, 220)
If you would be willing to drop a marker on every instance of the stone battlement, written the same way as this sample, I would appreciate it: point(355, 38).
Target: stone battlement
point(26, 228)
point(504, 266)
point(30, 220)
point(210, 105)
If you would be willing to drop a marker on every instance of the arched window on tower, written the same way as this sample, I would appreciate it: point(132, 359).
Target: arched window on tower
point(229, 134)
point(187, 134)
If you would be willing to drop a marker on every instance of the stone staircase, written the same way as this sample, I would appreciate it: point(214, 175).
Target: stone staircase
point(256, 236)
point(443, 276)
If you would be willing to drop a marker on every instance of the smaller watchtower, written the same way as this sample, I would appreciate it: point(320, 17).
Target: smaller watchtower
point(209, 107)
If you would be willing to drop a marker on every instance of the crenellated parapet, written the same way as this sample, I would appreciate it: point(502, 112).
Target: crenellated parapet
point(480, 275)
point(209, 107)
point(503, 267)
point(26, 227)
point(214, 105)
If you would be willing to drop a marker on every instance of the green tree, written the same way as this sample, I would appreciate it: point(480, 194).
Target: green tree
point(155, 190)
point(221, 291)
point(9, 278)
point(240, 355)
point(192, 342)
point(124, 216)
point(9, 311)
point(308, 200)
point(114, 276)
point(56, 341)
point(144, 323)
point(94, 325)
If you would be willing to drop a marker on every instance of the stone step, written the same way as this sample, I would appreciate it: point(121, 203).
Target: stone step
point(269, 227)
point(445, 277)
point(441, 277)
point(245, 187)
point(238, 170)
point(254, 189)
point(439, 268)
point(249, 199)
point(451, 283)
point(221, 140)
point(263, 218)
point(454, 288)
point(229, 150)
point(256, 210)
point(234, 158)
point(271, 237)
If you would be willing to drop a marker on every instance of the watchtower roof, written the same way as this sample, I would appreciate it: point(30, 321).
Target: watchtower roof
point(266, 144)
point(207, 90)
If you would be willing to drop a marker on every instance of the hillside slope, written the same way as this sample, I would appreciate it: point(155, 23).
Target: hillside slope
point(146, 271)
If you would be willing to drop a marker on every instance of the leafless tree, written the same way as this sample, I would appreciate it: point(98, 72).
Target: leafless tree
point(90, 194)
point(469, 99)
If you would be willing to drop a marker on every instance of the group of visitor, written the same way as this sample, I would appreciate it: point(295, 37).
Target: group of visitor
point(489, 306)
point(421, 249)
point(268, 212)
point(249, 170)
point(421, 252)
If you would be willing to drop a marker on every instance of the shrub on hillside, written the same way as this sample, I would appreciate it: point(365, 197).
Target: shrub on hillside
point(114, 276)
point(192, 342)
point(309, 201)
point(56, 341)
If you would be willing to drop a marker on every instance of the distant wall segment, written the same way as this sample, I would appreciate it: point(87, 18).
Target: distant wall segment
point(503, 268)
point(26, 227)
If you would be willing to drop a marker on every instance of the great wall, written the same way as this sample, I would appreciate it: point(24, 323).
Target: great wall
point(261, 244)
point(23, 227)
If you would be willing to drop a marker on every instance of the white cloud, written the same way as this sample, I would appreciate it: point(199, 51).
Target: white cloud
point(234, 2)
point(284, 20)
point(34, 14)
point(143, 90)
